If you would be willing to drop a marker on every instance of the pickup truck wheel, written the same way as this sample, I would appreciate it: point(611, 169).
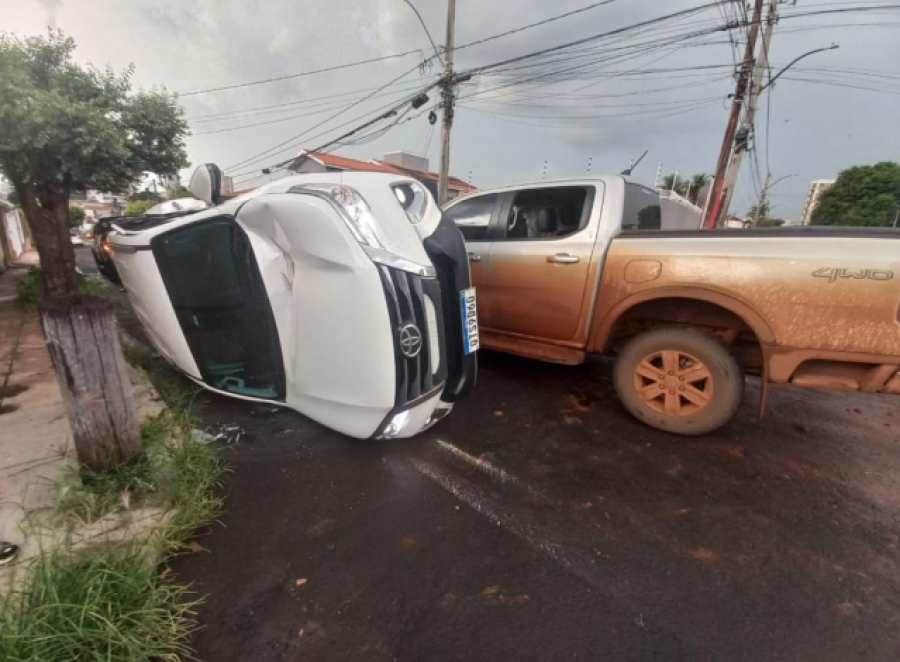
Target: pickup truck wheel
point(679, 380)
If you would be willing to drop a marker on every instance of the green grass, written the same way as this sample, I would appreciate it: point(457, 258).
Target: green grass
point(112, 603)
point(31, 287)
point(110, 606)
point(173, 471)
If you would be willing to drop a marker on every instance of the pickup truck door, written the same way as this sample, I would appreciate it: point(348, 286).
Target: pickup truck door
point(539, 262)
point(473, 217)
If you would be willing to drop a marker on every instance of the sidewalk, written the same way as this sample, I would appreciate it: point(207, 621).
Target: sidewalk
point(35, 438)
point(34, 431)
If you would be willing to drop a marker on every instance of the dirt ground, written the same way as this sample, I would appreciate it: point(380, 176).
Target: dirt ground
point(540, 522)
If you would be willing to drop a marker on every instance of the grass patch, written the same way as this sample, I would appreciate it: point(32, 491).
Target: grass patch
point(111, 606)
point(112, 603)
point(176, 390)
point(31, 287)
point(174, 471)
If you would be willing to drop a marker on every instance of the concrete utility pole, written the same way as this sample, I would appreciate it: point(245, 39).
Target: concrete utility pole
point(747, 126)
point(447, 103)
point(715, 206)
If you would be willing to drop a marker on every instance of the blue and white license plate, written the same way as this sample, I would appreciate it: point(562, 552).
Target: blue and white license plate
point(469, 320)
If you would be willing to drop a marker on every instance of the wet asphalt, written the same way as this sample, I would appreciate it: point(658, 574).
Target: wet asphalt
point(541, 522)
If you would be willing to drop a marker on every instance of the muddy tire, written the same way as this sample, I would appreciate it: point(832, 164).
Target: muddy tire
point(679, 380)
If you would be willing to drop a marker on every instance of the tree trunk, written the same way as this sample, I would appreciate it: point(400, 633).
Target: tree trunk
point(49, 222)
point(84, 346)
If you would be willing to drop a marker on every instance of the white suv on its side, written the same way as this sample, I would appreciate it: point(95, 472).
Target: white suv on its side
point(343, 296)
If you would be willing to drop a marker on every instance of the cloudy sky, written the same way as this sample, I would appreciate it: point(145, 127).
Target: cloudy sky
point(606, 101)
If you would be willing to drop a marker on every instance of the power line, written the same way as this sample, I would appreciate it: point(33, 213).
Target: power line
point(523, 28)
point(585, 40)
point(302, 74)
point(643, 120)
point(437, 53)
point(288, 142)
point(276, 148)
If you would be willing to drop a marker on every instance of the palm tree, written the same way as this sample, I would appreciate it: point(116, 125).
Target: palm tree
point(669, 183)
point(688, 187)
point(698, 181)
point(763, 213)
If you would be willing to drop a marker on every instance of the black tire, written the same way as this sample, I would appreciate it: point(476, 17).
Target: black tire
point(702, 392)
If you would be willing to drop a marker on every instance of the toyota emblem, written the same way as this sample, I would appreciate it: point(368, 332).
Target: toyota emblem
point(410, 340)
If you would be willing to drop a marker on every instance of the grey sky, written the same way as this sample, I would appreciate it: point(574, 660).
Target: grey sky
point(185, 45)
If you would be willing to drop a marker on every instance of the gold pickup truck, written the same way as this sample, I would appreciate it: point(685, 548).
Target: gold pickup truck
point(567, 269)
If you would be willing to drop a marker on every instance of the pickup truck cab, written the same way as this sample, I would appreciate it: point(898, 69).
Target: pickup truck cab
point(566, 269)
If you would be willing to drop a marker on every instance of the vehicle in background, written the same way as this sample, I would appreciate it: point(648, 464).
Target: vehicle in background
point(99, 234)
point(578, 267)
point(101, 249)
point(346, 297)
point(75, 238)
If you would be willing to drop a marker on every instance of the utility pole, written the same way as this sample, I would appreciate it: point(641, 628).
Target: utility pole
point(715, 206)
point(748, 125)
point(447, 102)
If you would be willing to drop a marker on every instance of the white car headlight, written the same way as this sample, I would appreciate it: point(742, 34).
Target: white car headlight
point(396, 425)
point(413, 198)
point(362, 224)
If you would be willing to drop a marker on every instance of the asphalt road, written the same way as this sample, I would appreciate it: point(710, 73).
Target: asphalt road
point(540, 522)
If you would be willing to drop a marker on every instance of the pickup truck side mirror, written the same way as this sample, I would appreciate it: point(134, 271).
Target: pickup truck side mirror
point(206, 183)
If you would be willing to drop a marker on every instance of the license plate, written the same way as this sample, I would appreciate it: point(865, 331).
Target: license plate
point(469, 320)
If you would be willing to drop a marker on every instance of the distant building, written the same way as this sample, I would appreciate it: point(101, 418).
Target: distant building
point(398, 163)
point(816, 189)
point(732, 221)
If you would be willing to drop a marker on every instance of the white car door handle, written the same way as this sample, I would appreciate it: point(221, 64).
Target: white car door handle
point(563, 258)
point(474, 257)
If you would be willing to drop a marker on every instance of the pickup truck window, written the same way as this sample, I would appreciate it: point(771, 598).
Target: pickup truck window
point(546, 213)
point(642, 208)
point(473, 216)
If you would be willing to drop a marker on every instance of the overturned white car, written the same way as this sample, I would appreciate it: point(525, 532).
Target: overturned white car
point(343, 296)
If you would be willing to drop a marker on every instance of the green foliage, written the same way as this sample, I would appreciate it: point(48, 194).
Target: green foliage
point(65, 126)
point(862, 196)
point(772, 223)
point(179, 192)
point(138, 207)
point(31, 287)
point(13, 198)
point(144, 195)
point(688, 187)
point(763, 214)
point(112, 606)
point(76, 216)
point(174, 470)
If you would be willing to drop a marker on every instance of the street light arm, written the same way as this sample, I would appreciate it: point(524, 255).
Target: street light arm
point(779, 180)
point(425, 27)
point(805, 55)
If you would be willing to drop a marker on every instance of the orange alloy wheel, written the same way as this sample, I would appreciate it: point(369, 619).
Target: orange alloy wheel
point(673, 383)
